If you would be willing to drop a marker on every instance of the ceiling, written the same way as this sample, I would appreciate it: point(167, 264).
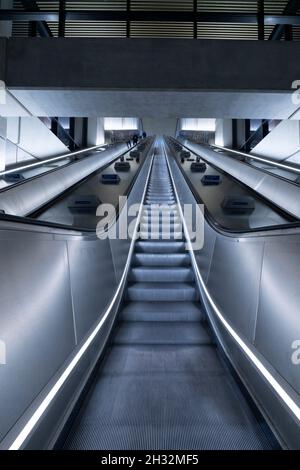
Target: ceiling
point(153, 29)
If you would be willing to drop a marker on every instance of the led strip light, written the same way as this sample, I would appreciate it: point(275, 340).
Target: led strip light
point(260, 159)
point(50, 160)
point(31, 423)
point(285, 397)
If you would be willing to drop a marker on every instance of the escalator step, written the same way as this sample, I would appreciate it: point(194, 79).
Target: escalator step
point(180, 333)
point(162, 311)
point(156, 291)
point(161, 259)
point(160, 246)
point(161, 274)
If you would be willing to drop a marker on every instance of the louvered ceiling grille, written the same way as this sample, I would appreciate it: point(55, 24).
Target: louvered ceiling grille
point(226, 31)
point(239, 6)
point(158, 29)
point(161, 5)
point(96, 29)
point(140, 29)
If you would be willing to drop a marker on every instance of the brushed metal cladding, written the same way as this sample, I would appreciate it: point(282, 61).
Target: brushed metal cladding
point(284, 194)
point(234, 279)
point(50, 427)
point(29, 196)
point(36, 321)
point(204, 255)
point(93, 281)
point(278, 324)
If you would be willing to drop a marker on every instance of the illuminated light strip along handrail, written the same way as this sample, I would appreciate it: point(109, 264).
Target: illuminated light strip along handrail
point(50, 160)
point(285, 397)
point(295, 169)
point(32, 422)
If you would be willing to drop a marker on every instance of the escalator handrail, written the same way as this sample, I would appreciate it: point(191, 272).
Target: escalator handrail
point(284, 166)
point(63, 157)
point(46, 161)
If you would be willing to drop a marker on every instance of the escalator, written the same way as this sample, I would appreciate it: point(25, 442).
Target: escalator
point(163, 383)
point(157, 346)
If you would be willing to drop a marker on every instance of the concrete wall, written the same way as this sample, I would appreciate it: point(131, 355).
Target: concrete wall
point(159, 126)
point(150, 77)
point(283, 143)
point(223, 136)
point(162, 64)
point(24, 137)
point(96, 135)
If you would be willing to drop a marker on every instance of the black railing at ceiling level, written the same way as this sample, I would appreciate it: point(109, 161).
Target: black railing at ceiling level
point(282, 24)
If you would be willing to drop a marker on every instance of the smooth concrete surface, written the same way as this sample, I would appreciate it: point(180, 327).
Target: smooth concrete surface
point(96, 133)
point(147, 77)
point(151, 64)
point(153, 103)
point(159, 126)
point(223, 135)
point(282, 143)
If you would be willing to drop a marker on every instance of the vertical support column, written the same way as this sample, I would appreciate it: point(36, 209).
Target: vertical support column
point(195, 10)
point(78, 131)
point(3, 135)
point(288, 32)
point(6, 26)
point(265, 128)
point(62, 19)
point(54, 125)
point(223, 136)
point(72, 134)
point(128, 19)
point(84, 132)
point(261, 19)
point(247, 135)
point(240, 133)
point(234, 134)
point(32, 29)
point(95, 133)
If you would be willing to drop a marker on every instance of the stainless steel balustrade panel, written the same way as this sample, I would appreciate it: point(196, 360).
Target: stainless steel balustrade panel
point(36, 320)
point(278, 323)
point(29, 196)
point(284, 194)
point(203, 256)
point(234, 279)
point(92, 281)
